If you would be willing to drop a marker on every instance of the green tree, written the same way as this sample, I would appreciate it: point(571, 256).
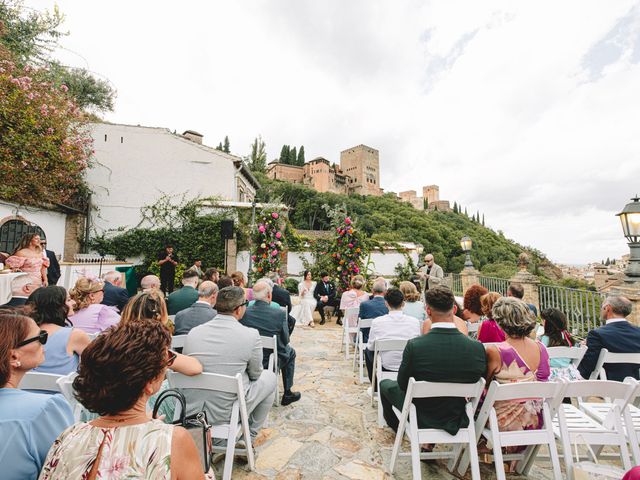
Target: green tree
point(301, 160)
point(219, 147)
point(483, 219)
point(455, 207)
point(425, 203)
point(226, 146)
point(284, 154)
point(258, 157)
point(293, 156)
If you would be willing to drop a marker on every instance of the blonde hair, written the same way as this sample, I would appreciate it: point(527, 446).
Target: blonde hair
point(514, 317)
point(487, 301)
point(238, 279)
point(357, 282)
point(409, 291)
point(82, 290)
point(146, 305)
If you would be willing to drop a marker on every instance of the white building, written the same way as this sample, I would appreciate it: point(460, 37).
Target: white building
point(134, 166)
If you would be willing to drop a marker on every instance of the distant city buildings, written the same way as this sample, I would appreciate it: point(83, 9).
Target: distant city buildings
point(430, 199)
point(601, 276)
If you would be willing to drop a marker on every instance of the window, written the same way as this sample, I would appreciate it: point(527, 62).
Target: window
point(12, 231)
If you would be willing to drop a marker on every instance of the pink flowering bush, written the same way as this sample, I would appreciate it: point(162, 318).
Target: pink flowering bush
point(269, 241)
point(45, 144)
point(349, 252)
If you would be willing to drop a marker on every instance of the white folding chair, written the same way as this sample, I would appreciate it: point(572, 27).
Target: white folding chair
point(284, 309)
point(546, 392)
point(409, 424)
point(271, 343)
point(472, 328)
point(607, 357)
point(360, 347)
point(239, 421)
point(44, 382)
point(574, 353)
point(377, 375)
point(349, 328)
point(92, 336)
point(65, 383)
point(573, 426)
point(177, 341)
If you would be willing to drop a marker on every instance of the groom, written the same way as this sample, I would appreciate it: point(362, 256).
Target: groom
point(325, 295)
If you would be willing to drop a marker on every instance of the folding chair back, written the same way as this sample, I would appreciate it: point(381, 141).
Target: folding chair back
point(360, 346)
point(349, 328)
point(44, 382)
point(284, 309)
point(487, 425)
point(177, 341)
point(409, 424)
point(574, 353)
point(92, 336)
point(271, 343)
point(608, 357)
point(230, 431)
point(377, 375)
point(472, 328)
point(65, 383)
point(600, 425)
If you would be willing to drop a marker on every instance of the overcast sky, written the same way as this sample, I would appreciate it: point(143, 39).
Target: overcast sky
point(526, 111)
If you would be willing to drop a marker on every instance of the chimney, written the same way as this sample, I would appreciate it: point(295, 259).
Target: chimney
point(193, 136)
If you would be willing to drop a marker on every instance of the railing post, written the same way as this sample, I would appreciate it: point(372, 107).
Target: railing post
point(528, 281)
point(632, 292)
point(468, 277)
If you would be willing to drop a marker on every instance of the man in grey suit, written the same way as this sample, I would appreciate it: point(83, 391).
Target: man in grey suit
point(269, 322)
point(200, 312)
point(226, 347)
point(431, 272)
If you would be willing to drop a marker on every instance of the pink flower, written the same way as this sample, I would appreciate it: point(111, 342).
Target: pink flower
point(253, 257)
point(274, 253)
point(64, 88)
point(351, 245)
point(274, 215)
point(338, 230)
point(261, 229)
point(347, 221)
point(356, 269)
point(278, 235)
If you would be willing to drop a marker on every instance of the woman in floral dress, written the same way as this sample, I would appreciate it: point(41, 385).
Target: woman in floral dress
point(28, 258)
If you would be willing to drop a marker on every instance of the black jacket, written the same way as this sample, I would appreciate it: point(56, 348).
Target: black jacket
point(53, 271)
point(269, 321)
point(115, 296)
point(283, 298)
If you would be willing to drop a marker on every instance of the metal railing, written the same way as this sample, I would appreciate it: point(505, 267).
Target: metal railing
point(582, 307)
point(454, 282)
point(494, 284)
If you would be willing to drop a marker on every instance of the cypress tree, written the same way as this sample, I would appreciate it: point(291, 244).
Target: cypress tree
point(284, 154)
point(293, 156)
point(483, 219)
point(465, 212)
point(219, 147)
point(301, 159)
point(226, 147)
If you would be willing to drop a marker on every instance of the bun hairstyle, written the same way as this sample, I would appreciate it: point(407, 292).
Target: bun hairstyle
point(146, 306)
point(83, 288)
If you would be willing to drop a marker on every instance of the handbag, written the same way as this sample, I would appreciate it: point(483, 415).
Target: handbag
point(195, 424)
point(593, 470)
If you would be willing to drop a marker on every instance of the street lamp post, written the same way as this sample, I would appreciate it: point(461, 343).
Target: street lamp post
point(466, 243)
point(253, 226)
point(630, 220)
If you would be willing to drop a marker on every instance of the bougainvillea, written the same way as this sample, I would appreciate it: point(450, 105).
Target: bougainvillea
point(268, 243)
point(348, 253)
point(45, 144)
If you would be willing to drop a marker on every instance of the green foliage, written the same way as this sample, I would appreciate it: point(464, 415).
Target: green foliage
point(181, 224)
point(45, 143)
point(226, 148)
point(88, 91)
point(293, 156)
point(499, 269)
point(577, 283)
point(290, 156)
point(301, 159)
point(404, 271)
point(284, 154)
point(154, 269)
point(258, 157)
point(291, 285)
point(269, 242)
point(348, 250)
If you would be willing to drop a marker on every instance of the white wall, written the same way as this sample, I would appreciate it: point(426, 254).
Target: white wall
point(53, 223)
point(294, 262)
point(385, 263)
point(137, 165)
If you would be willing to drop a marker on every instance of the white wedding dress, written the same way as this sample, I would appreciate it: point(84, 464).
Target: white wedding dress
point(303, 312)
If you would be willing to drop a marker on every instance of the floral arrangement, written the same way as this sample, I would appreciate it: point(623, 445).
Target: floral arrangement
point(269, 242)
point(348, 253)
point(48, 145)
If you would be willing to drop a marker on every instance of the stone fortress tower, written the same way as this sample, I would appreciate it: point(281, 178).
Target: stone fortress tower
point(362, 164)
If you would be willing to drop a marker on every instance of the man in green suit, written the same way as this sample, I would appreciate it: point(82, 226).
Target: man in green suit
point(442, 355)
point(186, 296)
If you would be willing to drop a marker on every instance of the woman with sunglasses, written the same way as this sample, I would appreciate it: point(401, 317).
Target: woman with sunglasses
point(29, 422)
point(91, 316)
point(50, 307)
point(118, 373)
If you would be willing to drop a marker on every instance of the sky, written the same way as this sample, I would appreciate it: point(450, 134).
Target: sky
point(528, 112)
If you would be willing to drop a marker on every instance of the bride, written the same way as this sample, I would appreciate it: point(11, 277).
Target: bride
point(303, 312)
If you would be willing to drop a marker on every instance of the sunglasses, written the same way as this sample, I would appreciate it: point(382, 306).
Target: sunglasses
point(41, 337)
point(172, 358)
point(243, 304)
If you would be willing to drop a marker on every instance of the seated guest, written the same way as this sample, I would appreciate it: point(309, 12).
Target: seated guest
point(517, 359)
point(461, 325)
point(517, 290)
point(149, 283)
point(489, 331)
point(283, 298)
point(226, 347)
point(118, 373)
point(376, 307)
point(197, 267)
point(50, 307)
point(472, 309)
point(90, 315)
point(114, 294)
point(239, 280)
point(152, 306)
point(224, 282)
point(395, 325)
point(29, 422)
point(21, 287)
point(270, 322)
point(211, 275)
point(186, 296)
point(325, 295)
point(200, 312)
point(617, 336)
point(557, 335)
point(412, 304)
point(272, 303)
point(445, 355)
point(355, 295)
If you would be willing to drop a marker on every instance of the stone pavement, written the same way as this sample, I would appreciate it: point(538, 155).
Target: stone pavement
point(332, 432)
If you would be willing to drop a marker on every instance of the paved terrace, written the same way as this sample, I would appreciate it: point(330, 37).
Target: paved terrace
point(332, 433)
